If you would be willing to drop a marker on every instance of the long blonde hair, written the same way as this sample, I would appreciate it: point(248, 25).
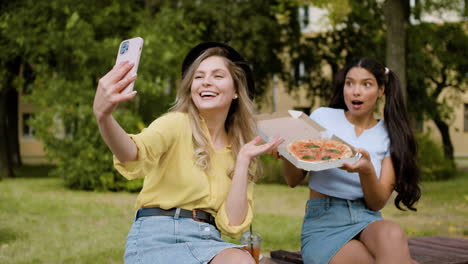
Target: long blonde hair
point(239, 125)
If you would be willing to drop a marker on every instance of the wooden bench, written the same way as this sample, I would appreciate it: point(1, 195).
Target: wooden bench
point(425, 250)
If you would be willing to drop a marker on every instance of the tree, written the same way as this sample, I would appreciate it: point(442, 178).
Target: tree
point(47, 45)
point(359, 33)
point(397, 15)
point(69, 45)
point(13, 76)
point(437, 74)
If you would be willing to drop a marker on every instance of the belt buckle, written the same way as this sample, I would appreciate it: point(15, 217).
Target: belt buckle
point(194, 216)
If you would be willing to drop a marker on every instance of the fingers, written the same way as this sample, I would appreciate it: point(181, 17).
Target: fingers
point(365, 154)
point(117, 79)
point(272, 145)
point(118, 72)
point(345, 166)
point(122, 84)
point(256, 140)
point(124, 97)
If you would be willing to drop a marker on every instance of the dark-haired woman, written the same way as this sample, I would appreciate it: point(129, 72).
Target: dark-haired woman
point(342, 223)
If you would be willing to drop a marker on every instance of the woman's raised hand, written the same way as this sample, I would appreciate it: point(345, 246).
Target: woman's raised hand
point(253, 149)
point(110, 86)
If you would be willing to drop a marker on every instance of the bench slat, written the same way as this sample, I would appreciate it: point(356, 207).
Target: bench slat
point(415, 244)
point(425, 250)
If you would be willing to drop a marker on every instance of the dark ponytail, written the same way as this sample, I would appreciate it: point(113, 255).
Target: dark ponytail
point(403, 148)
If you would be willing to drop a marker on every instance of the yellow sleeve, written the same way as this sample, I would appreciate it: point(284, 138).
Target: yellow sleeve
point(151, 143)
point(222, 220)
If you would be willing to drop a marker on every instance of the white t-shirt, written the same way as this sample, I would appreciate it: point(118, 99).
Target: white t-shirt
point(337, 182)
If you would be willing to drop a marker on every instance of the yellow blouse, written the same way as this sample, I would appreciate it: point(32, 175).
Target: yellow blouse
point(165, 159)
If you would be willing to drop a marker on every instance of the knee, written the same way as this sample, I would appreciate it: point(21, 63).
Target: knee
point(393, 233)
point(233, 256)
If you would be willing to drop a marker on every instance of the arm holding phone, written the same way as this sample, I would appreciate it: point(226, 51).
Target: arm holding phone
point(108, 95)
point(115, 87)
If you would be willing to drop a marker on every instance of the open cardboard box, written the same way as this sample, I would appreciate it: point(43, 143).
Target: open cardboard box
point(295, 125)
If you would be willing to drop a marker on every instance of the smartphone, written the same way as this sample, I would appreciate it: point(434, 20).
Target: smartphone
point(130, 50)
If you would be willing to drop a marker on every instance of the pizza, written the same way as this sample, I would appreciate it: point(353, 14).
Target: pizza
point(319, 150)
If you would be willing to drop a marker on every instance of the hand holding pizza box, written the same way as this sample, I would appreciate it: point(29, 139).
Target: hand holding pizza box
point(307, 144)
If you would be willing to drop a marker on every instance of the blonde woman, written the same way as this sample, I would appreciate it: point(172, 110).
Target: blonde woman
point(198, 160)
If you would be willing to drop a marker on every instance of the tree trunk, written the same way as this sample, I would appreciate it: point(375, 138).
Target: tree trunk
point(446, 140)
point(396, 13)
point(6, 168)
point(12, 127)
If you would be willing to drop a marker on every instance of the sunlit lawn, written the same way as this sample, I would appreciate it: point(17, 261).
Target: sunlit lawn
point(43, 222)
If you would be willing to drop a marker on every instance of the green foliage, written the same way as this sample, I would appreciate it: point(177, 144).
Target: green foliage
point(272, 170)
point(358, 34)
point(65, 46)
point(436, 68)
point(73, 143)
point(434, 165)
point(437, 74)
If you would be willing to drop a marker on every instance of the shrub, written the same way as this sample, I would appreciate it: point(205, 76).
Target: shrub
point(434, 166)
point(72, 142)
point(272, 170)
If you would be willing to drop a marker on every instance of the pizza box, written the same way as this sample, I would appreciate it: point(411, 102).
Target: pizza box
point(295, 125)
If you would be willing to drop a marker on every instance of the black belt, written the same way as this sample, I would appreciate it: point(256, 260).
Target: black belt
point(195, 214)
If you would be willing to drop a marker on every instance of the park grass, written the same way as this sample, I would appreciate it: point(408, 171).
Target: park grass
point(43, 222)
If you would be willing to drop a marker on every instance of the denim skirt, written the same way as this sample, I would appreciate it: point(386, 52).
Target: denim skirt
point(166, 239)
point(329, 223)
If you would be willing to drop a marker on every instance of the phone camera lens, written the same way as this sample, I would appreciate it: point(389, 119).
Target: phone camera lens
point(124, 47)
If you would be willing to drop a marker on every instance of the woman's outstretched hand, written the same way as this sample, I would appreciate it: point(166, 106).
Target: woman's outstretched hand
point(254, 149)
point(363, 165)
point(110, 86)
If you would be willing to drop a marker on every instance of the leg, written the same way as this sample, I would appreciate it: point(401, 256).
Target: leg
point(387, 242)
point(233, 256)
point(353, 252)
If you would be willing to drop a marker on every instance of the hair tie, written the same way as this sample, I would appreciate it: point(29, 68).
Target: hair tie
point(386, 70)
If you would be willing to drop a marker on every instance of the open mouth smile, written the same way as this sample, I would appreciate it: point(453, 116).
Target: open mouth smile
point(208, 95)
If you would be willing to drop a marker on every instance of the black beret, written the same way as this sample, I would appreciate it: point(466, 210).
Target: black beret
point(232, 55)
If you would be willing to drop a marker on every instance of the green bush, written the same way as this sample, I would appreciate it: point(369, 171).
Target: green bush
point(73, 143)
point(272, 171)
point(434, 166)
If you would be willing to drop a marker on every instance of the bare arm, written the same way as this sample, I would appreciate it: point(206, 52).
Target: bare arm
point(105, 101)
point(376, 191)
point(236, 201)
point(292, 175)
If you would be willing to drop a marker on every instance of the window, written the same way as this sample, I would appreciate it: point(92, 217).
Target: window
point(27, 129)
point(69, 126)
point(304, 18)
point(465, 128)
